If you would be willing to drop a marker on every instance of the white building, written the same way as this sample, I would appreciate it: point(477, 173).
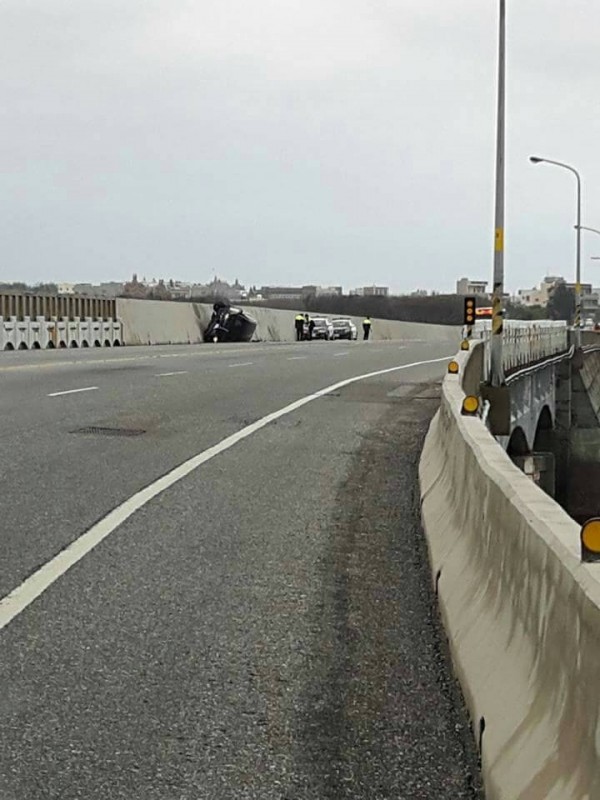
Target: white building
point(467, 287)
point(539, 297)
point(370, 291)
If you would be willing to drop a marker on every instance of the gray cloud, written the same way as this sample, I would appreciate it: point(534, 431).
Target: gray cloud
point(291, 140)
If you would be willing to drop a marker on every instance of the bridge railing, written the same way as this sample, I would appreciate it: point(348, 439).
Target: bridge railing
point(524, 342)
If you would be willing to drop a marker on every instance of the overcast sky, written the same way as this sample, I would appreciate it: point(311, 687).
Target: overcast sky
point(293, 141)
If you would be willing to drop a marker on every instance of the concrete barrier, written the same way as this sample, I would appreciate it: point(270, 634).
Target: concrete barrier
point(277, 325)
point(164, 322)
point(41, 334)
point(522, 613)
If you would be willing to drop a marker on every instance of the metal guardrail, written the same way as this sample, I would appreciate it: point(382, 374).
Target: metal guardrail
point(524, 342)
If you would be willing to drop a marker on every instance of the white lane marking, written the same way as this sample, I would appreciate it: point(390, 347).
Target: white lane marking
point(73, 391)
point(339, 355)
point(297, 358)
point(169, 374)
point(36, 584)
point(243, 364)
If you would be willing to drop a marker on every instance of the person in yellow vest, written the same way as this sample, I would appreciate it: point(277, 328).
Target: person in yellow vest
point(366, 328)
point(299, 325)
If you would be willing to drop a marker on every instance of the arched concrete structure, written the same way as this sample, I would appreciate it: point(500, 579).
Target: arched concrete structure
point(518, 444)
point(545, 436)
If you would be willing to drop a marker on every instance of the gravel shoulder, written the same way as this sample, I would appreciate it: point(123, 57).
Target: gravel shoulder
point(389, 717)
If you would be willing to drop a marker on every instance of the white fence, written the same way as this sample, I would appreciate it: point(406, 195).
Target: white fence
point(525, 342)
point(42, 334)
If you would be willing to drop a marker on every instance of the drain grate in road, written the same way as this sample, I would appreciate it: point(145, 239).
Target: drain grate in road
point(95, 430)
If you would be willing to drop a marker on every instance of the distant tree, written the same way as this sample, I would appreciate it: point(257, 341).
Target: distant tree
point(46, 288)
point(438, 309)
point(16, 287)
point(561, 304)
point(519, 311)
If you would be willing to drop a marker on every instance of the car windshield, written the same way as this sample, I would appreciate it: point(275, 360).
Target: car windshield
point(341, 322)
point(320, 323)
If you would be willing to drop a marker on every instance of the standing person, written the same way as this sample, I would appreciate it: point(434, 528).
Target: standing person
point(306, 326)
point(299, 324)
point(366, 328)
point(311, 328)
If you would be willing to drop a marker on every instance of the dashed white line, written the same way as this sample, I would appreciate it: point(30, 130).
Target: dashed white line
point(243, 364)
point(297, 358)
point(73, 391)
point(339, 355)
point(36, 584)
point(170, 374)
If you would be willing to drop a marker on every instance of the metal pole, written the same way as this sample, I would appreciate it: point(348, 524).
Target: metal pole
point(497, 371)
point(578, 303)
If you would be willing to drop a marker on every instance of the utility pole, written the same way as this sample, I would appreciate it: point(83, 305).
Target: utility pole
point(497, 371)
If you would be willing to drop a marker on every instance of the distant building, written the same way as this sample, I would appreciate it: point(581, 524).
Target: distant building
point(281, 292)
point(109, 290)
point(66, 288)
point(370, 291)
point(465, 286)
point(218, 288)
point(532, 297)
point(286, 292)
point(586, 288)
point(539, 297)
point(135, 288)
point(179, 290)
point(329, 291)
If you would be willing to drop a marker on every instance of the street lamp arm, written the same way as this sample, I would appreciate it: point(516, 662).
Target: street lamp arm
point(585, 228)
point(538, 160)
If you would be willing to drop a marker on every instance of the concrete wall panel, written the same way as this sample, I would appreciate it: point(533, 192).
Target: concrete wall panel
point(158, 322)
point(521, 612)
point(163, 322)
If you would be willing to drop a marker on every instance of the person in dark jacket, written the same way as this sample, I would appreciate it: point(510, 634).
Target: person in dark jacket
point(299, 325)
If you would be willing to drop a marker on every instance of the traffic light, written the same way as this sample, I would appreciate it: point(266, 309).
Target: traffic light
point(469, 311)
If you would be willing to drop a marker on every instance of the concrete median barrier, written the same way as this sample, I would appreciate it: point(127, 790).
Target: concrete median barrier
point(165, 322)
point(161, 322)
point(149, 322)
point(42, 334)
point(521, 611)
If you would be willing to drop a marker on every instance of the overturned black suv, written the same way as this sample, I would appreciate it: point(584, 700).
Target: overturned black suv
point(229, 324)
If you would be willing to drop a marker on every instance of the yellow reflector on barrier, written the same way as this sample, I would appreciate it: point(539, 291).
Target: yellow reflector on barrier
point(470, 405)
point(464, 345)
point(453, 368)
point(590, 540)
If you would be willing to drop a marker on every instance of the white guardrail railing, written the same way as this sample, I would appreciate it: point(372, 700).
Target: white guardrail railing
point(524, 342)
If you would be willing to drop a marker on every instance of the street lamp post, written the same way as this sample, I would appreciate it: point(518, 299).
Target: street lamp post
point(537, 160)
point(497, 370)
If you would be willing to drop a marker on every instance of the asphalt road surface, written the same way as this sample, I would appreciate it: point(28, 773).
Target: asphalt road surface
point(261, 627)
